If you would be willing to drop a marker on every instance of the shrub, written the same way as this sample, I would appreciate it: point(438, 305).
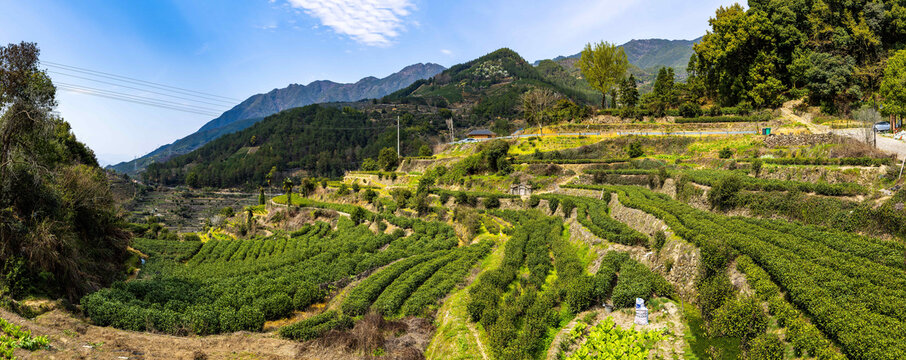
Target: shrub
point(491, 202)
point(275, 306)
point(567, 207)
point(713, 292)
point(766, 347)
point(660, 238)
point(723, 195)
point(553, 204)
point(725, 153)
point(742, 318)
point(634, 150)
point(689, 110)
point(533, 201)
point(756, 167)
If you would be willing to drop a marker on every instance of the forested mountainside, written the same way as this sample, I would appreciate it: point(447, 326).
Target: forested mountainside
point(258, 106)
point(322, 140)
point(485, 88)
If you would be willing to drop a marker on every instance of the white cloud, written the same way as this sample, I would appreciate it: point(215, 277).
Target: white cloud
point(446, 52)
point(370, 22)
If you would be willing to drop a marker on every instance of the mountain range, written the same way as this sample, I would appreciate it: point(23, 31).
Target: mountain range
point(259, 106)
point(431, 81)
point(652, 54)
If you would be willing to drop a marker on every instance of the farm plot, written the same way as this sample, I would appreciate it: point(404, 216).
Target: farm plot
point(231, 285)
point(541, 284)
point(853, 294)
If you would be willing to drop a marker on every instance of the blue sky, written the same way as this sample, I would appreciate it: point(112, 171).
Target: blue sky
point(236, 48)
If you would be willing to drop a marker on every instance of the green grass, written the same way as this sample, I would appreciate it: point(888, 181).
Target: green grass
point(453, 339)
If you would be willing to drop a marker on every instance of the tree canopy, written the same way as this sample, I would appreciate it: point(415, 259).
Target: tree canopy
point(831, 51)
point(603, 65)
point(893, 89)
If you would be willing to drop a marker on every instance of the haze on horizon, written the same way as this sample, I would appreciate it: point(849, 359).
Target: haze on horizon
point(235, 49)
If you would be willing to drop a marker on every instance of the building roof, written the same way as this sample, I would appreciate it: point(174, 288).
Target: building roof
point(481, 132)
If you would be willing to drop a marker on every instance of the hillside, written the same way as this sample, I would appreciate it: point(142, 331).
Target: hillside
point(320, 140)
point(650, 54)
point(258, 106)
point(645, 58)
point(485, 88)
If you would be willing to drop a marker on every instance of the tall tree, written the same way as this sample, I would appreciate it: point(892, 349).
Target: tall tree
point(629, 92)
point(893, 88)
point(603, 65)
point(534, 104)
point(387, 159)
point(288, 190)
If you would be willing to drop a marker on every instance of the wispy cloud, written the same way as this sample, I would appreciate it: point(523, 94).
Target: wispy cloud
point(369, 22)
point(446, 52)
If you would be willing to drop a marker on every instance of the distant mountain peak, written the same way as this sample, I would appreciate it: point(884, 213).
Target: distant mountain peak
point(294, 95)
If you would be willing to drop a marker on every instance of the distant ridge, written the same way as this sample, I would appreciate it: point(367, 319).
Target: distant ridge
point(259, 106)
point(652, 53)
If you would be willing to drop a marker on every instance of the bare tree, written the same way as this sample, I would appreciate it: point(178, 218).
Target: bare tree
point(535, 102)
point(867, 117)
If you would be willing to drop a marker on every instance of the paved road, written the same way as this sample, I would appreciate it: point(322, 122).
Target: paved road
point(884, 143)
point(619, 133)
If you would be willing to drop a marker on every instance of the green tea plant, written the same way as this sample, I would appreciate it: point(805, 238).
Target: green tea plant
point(607, 341)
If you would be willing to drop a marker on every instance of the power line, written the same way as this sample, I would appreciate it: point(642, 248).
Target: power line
point(139, 89)
point(138, 97)
point(139, 82)
point(148, 103)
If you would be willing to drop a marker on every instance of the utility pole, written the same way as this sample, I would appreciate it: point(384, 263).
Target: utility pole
point(397, 136)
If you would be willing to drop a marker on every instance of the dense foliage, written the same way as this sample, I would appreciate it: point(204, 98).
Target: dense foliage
point(59, 230)
point(492, 84)
point(833, 51)
point(323, 140)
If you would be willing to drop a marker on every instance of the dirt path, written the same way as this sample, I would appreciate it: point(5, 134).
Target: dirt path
point(71, 338)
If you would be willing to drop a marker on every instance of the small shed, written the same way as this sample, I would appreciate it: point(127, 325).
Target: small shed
point(481, 134)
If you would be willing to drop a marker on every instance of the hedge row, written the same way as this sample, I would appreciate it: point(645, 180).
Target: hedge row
point(807, 340)
point(710, 177)
point(592, 214)
point(856, 161)
point(723, 119)
point(570, 161)
point(173, 250)
point(316, 326)
point(232, 285)
point(443, 281)
point(857, 302)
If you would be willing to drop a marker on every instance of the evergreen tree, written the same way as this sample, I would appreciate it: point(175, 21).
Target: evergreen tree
point(629, 92)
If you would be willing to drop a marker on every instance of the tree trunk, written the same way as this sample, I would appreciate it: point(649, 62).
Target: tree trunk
point(603, 100)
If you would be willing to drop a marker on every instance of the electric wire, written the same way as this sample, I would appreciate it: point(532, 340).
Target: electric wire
point(76, 89)
point(136, 88)
point(135, 81)
point(139, 97)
